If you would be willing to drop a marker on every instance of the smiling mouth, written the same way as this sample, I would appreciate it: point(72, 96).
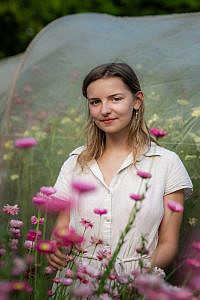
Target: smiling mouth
point(108, 121)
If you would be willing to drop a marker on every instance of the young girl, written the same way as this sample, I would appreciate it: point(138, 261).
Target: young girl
point(118, 145)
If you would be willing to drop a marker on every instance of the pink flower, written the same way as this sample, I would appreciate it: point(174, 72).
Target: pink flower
point(39, 200)
point(175, 206)
point(143, 174)
point(158, 132)
point(2, 251)
point(35, 220)
point(96, 241)
point(136, 197)
point(193, 262)
point(52, 204)
point(86, 223)
point(49, 293)
point(11, 209)
point(177, 293)
point(83, 187)
point(16, 223)
point(83, 290)
point(48, 270)
point(196, 246)
point(195, 283)
point(56, 280)
point(29, 244)
point(100, 211)
point(66, 281)
point(15, 232)
point(21, 286)
point(48, 190)
point(104, 254)
point(69, 273)
point(68, 237)
point(33, 235)
point(46, 246)
point(19, 266)
point(25, 142)
point(14, 244)
point(5, 287)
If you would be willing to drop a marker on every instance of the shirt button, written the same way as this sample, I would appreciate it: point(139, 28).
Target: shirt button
point(108, 220)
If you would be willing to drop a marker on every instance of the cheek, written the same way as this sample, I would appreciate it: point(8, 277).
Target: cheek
point(93, 111)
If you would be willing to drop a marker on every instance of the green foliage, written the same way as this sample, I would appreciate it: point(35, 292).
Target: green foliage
point(21, 20)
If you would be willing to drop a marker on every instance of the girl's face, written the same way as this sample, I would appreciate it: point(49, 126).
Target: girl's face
point(111, 104)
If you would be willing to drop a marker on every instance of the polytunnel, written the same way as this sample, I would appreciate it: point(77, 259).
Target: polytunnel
point(44, 97)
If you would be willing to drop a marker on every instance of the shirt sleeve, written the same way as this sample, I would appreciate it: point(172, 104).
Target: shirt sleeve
point(177, 177)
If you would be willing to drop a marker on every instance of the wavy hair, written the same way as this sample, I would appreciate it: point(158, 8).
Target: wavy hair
point(139, 137)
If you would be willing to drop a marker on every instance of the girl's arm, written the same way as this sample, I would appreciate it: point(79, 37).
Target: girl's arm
point(168, 235)
point(57, 259)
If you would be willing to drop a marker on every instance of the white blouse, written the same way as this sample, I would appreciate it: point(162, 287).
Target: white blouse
point(168, 175)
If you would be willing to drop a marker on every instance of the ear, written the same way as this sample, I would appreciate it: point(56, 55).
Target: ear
point(139, 99)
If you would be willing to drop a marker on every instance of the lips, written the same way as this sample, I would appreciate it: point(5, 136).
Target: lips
point(108, 121)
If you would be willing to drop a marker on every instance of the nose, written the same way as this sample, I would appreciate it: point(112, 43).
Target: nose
point(105, 109)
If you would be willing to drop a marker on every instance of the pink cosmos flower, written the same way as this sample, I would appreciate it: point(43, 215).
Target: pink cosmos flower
point(29, 244)
point(52, 204)
point(86, 223)
point(33, 235)
point(158, 132)
point(68, 237)
point(100, 211)
point(16, 223)
point(56, 280)
point(25, 142)
point(11, 209)
point(46, 246)
point(83, 187)
point(193, 262)
point(136, 197)
point(48, 190)
point(143, 174)
point(35, 220)
point(175, 206)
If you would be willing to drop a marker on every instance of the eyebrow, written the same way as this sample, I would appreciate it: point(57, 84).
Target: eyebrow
point(116, 94)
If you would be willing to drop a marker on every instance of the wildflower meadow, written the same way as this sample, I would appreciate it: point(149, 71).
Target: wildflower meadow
point(28, 234)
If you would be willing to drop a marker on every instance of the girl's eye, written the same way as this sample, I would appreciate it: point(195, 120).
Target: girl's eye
point(117, 99)
point(94, 102)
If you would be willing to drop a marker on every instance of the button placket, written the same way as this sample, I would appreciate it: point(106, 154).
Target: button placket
point(107, 222)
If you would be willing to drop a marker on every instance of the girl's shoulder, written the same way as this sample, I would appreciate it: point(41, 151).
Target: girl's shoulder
point(156, 150)
point(77, 151)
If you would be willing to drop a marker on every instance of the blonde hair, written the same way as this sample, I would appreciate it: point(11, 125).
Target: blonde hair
point(139, 137)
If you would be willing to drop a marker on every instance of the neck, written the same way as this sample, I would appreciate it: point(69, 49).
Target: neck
point(117, 143)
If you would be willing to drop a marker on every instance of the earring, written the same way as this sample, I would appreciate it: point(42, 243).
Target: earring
point(136, 114)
